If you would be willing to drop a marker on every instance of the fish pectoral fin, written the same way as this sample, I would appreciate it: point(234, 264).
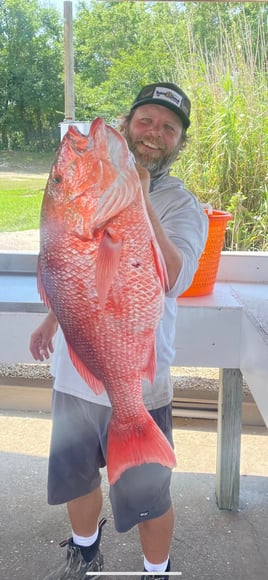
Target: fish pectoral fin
point(120, 195)
point(95, 384)
point(107, 263)
point(142, 442)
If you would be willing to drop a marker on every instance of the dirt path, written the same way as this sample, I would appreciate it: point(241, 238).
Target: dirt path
point(27, 241)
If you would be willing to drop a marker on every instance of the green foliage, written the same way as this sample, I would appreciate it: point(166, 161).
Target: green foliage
point(31, 75)
point(225, 163)
point(216, 51)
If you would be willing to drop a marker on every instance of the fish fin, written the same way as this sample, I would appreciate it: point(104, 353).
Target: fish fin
point(95, 384)
point(160, 265)
point(150, 369)
point(107, 264)
point(40, 286)
point(141, 442)
point(115, 199)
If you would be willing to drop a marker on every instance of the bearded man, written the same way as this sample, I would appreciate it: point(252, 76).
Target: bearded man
point(156, 132)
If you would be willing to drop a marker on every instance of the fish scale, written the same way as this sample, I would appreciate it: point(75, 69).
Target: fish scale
point(102, 273)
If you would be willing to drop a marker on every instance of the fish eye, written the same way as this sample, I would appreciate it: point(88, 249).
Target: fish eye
point(57, 179)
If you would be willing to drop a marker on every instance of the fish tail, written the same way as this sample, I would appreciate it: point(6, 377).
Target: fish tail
point(139, 442)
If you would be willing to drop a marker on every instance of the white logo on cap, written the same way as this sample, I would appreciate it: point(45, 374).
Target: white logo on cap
point(168, 95)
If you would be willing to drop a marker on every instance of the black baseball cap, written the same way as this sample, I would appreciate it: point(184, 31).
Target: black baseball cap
point(168, 95)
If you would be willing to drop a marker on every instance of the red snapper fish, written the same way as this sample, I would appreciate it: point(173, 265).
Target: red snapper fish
point(102, 273)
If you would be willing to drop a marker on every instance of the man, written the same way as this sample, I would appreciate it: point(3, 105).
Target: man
point(155, 130)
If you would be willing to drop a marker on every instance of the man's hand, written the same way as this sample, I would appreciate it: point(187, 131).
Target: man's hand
point(41, 343)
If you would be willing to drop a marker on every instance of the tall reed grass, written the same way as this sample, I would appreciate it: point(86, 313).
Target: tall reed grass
point(226, 159)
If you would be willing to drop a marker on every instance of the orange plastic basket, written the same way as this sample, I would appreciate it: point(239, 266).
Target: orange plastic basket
point(205, 276)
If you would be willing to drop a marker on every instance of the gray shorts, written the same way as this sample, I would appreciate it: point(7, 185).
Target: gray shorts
point(78, 450)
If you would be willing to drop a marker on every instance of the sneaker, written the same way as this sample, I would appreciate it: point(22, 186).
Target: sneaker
point(76, 567)
point(161, 576)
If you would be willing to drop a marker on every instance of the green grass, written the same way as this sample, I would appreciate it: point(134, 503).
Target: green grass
point(20, 203)
point(21, 194)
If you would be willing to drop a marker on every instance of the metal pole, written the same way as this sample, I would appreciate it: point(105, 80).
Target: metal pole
point(68, 62)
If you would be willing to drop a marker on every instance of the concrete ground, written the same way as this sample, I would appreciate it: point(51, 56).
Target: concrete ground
point(208, 544)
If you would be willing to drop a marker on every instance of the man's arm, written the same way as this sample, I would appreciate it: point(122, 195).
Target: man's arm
point(171, 254)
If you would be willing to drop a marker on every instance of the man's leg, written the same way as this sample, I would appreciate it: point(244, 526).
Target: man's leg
point(83, 553)
point(74, 473)
point(142, 496)
point(84, 513)
point(156, 536)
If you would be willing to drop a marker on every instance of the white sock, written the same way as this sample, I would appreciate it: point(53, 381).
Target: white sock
point(149, 567)
point(85, 541)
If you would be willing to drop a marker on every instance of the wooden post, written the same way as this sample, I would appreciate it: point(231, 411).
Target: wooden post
point(229, 438)
point(68, 62)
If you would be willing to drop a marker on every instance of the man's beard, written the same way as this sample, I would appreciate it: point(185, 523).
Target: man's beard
point(154, 166)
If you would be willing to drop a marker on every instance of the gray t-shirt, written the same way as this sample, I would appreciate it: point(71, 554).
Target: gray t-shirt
point(186, 224)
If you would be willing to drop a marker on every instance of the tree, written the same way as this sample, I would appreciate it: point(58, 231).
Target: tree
point(32, 74)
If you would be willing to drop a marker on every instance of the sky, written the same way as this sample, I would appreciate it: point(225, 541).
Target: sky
point(59, 5)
